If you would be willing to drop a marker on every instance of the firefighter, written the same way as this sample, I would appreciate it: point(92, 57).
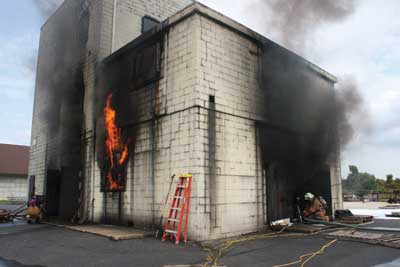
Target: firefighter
point(34, 211)
point(316, 208)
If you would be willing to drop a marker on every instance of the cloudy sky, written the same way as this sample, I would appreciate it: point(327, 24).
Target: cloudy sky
point(364, 44)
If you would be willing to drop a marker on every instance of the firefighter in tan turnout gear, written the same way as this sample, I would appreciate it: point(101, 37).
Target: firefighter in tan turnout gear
point(315, 208)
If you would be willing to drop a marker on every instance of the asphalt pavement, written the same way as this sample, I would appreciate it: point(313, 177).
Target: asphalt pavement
point(44, 245)
point(24, 244)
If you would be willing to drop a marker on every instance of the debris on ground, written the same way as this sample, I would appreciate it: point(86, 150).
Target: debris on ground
point(5, 216)
point(347, 217)
point(390, 207)
point(384, 239)
point(394, 215)
point(280, 224)
point(9, 215)
point(359, 219)
point(308, 228)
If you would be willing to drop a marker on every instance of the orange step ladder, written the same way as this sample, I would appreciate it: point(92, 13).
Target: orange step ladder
point(179, 212)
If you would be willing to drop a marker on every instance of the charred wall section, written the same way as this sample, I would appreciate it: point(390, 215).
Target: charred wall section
point(131, 76)
point(299, 129)
point(58, 113)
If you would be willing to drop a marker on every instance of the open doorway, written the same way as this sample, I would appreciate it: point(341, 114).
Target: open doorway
point(52, 197)
point(286, 187)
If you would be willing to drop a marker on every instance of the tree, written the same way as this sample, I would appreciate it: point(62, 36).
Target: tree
point(389, 179)
point(396, 184)
point(353, 170)
point(390, 182)
point(359, 183)
point(380, 185)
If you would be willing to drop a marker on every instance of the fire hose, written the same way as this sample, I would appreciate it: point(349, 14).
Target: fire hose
point(355, 226)
point(216, 253)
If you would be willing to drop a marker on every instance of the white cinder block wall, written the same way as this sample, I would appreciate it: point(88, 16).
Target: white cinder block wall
point(117, 29)
point(201, 58)
point(174, 141)
point(228, 69)
point(129, 14)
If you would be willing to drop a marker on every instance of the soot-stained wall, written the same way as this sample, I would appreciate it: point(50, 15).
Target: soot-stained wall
point(58, 109)
point(298, 132)
point(124, 75)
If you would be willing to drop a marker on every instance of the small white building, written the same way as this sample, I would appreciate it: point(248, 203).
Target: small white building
point(14, 162)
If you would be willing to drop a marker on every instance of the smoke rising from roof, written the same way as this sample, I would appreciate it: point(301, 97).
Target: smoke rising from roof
point(351, 111)
point(294, 23)
point(297, 20)
point(47, 7)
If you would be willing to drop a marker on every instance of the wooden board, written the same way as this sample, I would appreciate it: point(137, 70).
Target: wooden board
point(307, 228)
point(383, 239)
point(355, 219)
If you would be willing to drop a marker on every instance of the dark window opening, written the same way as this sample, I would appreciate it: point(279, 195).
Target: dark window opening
point(146, 66)
point(212, 99)
point(149, 23)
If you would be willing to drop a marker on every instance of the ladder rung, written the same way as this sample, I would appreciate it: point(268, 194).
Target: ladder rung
point(175, 208)
point(173, 220)
point(171, 231)
point(181, 186)
point(178, 197)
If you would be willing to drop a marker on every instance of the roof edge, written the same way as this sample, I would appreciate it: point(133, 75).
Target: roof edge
point(201, 9)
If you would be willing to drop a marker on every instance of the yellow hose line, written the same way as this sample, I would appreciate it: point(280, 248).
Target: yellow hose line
point(213, 259)
point(303, 258)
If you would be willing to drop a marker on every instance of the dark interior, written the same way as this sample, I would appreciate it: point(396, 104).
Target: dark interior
point(298, 131)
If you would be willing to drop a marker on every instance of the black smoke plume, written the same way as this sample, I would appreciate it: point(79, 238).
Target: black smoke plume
point(295, 23)
point(306, 120)
point(297, 20)
point(352, 115)
point(47, 7)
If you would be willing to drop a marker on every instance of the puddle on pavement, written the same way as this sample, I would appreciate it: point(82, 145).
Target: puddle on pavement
point(395, 263)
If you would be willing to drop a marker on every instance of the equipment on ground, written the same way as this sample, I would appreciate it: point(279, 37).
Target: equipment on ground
point(5, 216)
point(298, 210)
point(9, 215)
point(165, 205)
point(179, 211)
point(394, 215)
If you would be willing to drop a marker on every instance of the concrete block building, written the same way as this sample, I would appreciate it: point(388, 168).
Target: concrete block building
point(192, 92)
point(13, 172)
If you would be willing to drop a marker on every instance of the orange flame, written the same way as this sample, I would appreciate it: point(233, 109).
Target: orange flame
point(116, 150)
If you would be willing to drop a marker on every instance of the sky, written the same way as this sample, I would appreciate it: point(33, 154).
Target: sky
point(364, 46)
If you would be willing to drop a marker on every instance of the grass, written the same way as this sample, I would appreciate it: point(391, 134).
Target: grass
point(11, 202)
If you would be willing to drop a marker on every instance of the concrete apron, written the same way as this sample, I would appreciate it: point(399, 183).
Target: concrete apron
point(113, 232)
